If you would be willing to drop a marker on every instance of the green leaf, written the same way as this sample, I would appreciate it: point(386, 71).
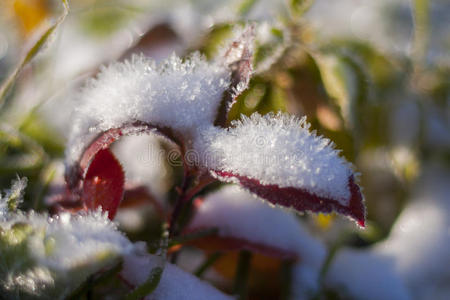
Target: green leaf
point(344, 82)
point(31, 53)
point(14, 196)
point(245, 7)
point(38, 129)
point(103, 20)
point(214, 39)
point(19, 153)
point(269, 52)
point(299, 7)
point(421, 29)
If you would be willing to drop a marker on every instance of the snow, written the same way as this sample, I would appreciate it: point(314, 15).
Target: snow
point(414, 259)
point(78, 239)
point(364, 275)
point(238, 214)
point(305, 281)
point(143, 161)
point(175, 283)
point(59, 253)
point(181, 94)
point(241, 40)
point(278, 149)
point(420, 239)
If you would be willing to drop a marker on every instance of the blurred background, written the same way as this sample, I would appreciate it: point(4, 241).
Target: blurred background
point(372, 76)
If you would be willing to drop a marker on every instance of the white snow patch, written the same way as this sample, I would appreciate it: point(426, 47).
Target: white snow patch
point(175, 284)
point(363, 275)
point(144, 163)
point(61, 252)
point(79, 239)
point(420, 239)
point(237, 213)
point(277, 149)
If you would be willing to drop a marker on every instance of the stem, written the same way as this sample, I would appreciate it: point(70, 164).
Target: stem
point(179, 203)
point(184, 196)
point(286, 279)
point(242, 273)
point(208, 263)
point(421, 29)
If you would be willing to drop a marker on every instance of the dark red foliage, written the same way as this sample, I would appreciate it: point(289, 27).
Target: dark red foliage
point(302, 200)
point(229, 243)
point(104, 183)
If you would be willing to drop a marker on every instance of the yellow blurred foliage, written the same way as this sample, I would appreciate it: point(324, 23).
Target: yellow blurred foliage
point(30, 14)
point(324, 221)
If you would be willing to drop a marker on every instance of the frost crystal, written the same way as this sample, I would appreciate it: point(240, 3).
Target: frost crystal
point(13, 197)
point(278, 150)
point(180, 94)
point(50, 257)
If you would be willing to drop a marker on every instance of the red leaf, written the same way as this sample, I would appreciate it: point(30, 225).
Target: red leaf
point(74, 173)
point(104, 183)
point(302, 200)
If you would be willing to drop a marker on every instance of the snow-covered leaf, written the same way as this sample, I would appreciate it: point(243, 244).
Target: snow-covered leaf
point(103, 185)
point(174, 98)
point(245, 222)
point(48, 258)
point(277, 158)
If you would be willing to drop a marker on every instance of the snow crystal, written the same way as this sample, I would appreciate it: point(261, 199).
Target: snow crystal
point(14, 195)
point(364, 275)
point(174, 284)
point(238, 45)
point(180, 94)
point(278, 149)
